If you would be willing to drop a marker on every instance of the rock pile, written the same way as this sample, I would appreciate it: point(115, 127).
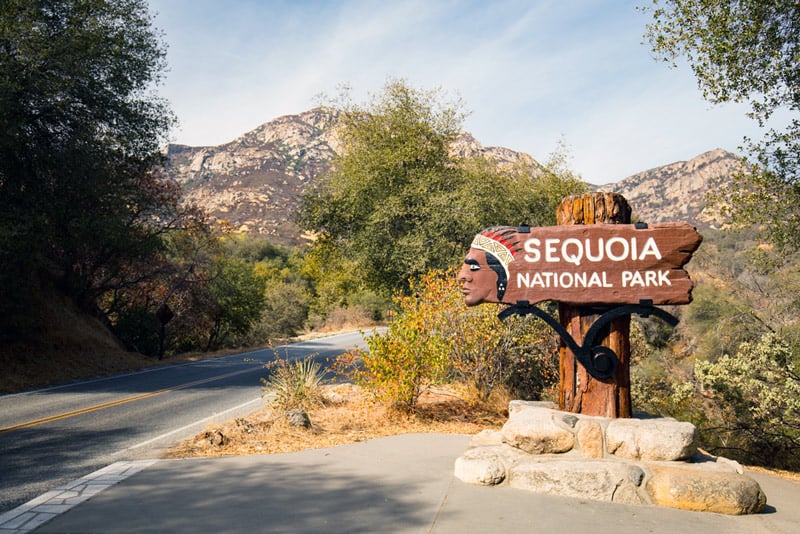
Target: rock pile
point(643, 460)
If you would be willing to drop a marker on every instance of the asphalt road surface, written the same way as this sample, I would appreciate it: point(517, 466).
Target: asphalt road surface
point(51, 436)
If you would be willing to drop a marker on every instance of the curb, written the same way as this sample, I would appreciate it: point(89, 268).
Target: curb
point(45, 507)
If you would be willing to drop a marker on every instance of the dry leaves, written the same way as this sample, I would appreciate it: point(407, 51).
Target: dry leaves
point(348, 416)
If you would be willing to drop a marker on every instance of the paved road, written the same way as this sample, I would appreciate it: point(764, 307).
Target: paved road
point(51, 436)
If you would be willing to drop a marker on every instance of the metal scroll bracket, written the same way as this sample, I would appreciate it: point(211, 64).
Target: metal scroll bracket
point(599, 361)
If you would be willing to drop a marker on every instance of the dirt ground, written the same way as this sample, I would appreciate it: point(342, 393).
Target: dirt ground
point(347, 416)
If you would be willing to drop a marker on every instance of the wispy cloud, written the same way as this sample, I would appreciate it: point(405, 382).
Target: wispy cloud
point(530, 72)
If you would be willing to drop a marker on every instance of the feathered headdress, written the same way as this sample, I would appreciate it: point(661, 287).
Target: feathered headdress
point(498, 241)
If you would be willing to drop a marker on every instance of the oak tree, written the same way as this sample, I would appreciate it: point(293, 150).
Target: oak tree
point(746, 51)
point(80, 132)
point(399, 202)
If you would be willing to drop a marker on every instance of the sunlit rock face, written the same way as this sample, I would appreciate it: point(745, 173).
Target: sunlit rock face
point(253, 184)
point(677, 192)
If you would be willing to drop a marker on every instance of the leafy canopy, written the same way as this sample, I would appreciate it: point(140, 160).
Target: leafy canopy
point(79, 133)
point(398, 202)
point(760, 387)
point(746, 51)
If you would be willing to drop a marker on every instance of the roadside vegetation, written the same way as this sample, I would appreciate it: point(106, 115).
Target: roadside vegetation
point(732, 366)
point(90, 227)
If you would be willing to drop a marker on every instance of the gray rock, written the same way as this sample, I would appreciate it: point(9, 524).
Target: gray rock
point(485, 438)
point(599, 480)
point(533, 430)
point(647, 460)
point(514, 405)
point(484, 466)
point(704, 490)
point(298, 418)
point(651, 439)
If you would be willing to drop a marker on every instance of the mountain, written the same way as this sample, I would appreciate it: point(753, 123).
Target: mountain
point(254, 182)
point(676, 192)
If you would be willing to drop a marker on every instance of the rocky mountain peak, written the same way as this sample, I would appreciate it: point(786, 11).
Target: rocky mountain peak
point(466, 146)
point(255, 182)
point(677, 191)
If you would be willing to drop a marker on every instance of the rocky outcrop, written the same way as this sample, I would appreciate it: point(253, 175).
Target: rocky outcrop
point(254, 183)
point(648, 461)
point(677, 192)
point(466, 146)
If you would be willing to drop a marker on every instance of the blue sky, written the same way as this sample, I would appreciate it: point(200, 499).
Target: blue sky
point(532, 73)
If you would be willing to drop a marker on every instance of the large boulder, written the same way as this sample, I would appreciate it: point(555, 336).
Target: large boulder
point(651, 439)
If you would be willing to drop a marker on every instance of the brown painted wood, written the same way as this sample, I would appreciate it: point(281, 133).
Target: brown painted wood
point(580, 392)
point(592, 263)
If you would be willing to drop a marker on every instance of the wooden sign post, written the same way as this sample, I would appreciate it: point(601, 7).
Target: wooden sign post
point(600, 269)
point(578, 391)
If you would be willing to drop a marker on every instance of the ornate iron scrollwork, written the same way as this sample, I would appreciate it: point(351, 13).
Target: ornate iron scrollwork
point(599, 361)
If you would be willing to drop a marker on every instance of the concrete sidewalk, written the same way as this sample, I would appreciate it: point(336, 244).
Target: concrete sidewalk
point(397, 484)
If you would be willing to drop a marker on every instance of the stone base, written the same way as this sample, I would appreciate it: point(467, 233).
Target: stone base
point(643, 460)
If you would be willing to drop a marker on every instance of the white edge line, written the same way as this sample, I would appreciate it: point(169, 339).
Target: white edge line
point(195, 423)
point(153, 368)
point(41, 509)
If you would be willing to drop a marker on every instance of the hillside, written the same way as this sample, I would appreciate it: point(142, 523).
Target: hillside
point(254, 182)
point(67, 344)
point(676, 192)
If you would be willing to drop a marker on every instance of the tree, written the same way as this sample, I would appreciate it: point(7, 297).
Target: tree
point(731, 366)
point(436, 338)
point(757, 395)
point(398, 203)
point(238, 296)
point(746, 51)
point(80, 133)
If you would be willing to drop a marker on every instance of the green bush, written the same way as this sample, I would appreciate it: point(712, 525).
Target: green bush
point(139, 329)
point(285, 313)
point(295, 384)
point(757, 399)
point(436, 338)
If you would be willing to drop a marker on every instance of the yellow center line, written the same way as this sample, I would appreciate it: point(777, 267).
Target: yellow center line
point(117, 402)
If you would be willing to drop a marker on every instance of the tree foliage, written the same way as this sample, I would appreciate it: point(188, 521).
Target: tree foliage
point(758, 393)
point(238, 296)
point(79, 136)
point(746, 51)
point(436, 338)
point(730, 367)
point(742, 333)
point(398, 203)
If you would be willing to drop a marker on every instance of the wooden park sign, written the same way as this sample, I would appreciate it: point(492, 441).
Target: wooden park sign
point(600, 269)
point(583, 264)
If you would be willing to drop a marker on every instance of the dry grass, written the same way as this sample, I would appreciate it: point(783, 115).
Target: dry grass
point(347, 416)
point(66, 345)
point(790, 475)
